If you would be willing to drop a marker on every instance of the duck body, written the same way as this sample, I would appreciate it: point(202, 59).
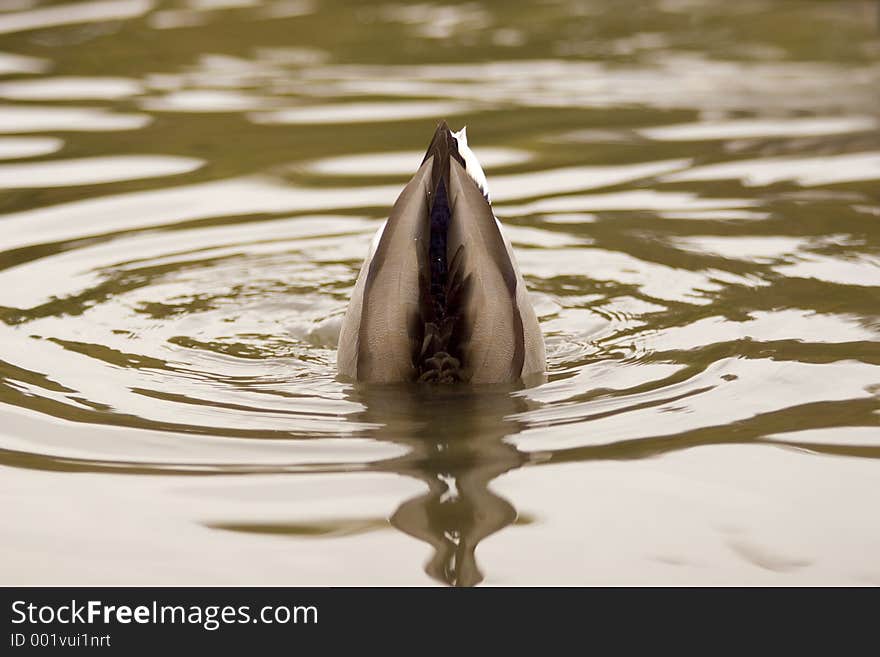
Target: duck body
point(440, 298)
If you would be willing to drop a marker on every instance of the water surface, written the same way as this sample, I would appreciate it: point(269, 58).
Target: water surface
point(187, 191)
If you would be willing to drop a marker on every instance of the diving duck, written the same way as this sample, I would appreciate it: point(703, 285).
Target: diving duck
point(440, 298)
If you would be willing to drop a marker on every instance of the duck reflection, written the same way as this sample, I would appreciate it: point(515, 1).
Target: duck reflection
point(455, 438)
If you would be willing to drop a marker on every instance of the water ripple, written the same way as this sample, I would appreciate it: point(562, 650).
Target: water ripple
point(695, 215)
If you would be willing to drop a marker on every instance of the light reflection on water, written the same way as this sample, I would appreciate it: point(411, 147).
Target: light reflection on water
point(694, 205)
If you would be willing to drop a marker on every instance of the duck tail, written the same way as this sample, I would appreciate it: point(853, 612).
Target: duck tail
point(438, 359)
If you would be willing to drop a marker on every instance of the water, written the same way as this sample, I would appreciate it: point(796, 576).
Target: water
point(187, 190)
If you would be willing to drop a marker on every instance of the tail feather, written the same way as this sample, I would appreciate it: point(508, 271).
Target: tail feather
point(441, 300)
point(439, 358)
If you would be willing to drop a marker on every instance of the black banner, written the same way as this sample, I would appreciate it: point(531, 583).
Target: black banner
point(131, 620)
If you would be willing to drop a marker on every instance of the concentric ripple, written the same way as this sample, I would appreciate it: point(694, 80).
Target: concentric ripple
point(697, 223)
